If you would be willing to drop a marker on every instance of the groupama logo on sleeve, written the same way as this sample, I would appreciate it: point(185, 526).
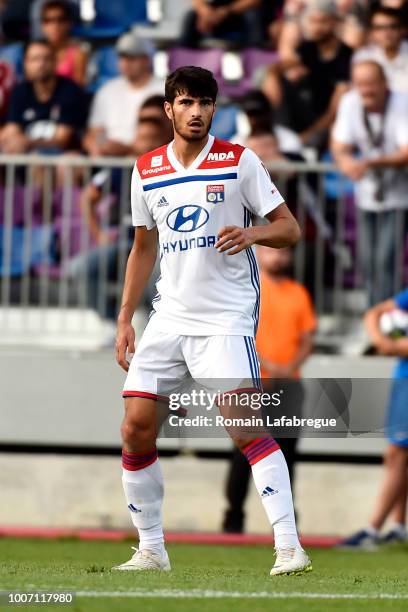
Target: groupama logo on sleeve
point(187, 218)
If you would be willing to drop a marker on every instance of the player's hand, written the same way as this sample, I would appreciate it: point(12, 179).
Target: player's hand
point(386, 347)
point(233, 239)
point(125, 340)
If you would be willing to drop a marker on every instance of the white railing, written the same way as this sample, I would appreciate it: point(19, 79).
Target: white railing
point(54, 275)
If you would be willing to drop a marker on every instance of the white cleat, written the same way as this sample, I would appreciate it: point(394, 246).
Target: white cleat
point(145, 560)
point(291, 561)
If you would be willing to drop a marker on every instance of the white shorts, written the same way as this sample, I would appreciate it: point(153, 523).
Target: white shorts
point(163, 363)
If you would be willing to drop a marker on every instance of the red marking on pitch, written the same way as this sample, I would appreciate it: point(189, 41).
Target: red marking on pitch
point(225, 539)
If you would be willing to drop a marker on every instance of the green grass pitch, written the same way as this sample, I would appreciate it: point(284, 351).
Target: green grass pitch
point(203, 578)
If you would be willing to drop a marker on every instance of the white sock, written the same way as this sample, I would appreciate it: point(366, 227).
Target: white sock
point(144, 495)
point(372, 531)
point(399, 528)
point(272, 481)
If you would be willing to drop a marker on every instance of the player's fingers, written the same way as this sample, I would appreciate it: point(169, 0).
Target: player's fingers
point(225, 230)
point(121, 355)
point(236, 249)
point(238, 240)
point(232, 235)
point(131, 345)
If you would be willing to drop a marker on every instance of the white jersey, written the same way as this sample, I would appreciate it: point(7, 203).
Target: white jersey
point(202, 292)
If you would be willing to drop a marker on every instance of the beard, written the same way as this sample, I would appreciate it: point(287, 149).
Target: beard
point(192, 137)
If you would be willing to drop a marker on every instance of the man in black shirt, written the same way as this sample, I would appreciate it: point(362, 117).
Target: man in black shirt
point(46, 111)
point(231, 19)
point(319, 66)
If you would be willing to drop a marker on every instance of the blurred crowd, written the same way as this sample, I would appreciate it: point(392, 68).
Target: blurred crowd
point(328, 80)
point(56, 103)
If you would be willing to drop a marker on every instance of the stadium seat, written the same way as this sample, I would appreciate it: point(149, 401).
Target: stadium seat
point(104, 66)
point(206, 58)
point(168, 27)
point(13, 55)
point(224, 124)
point(253, 59)
point(113, 18)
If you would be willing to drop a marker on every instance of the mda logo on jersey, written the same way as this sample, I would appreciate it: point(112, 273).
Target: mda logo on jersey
point(187, 218)
point(220, 156)
point(215, 193)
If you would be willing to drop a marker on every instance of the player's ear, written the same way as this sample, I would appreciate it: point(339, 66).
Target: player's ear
point(168, 110)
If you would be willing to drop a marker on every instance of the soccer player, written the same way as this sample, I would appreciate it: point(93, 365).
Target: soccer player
point(391, 500)
point(197, 198)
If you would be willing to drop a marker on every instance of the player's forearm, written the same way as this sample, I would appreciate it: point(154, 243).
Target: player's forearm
point(279, 234)
point(138, 270)
point(401, 348)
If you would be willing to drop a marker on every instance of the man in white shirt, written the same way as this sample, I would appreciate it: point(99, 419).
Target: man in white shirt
point(197, 198)
point(114, 111)
point(388, 46)
point(374, 120)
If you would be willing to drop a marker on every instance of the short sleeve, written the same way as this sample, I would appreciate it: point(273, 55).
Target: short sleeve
point(402, 300)
point(97, 112)
point(343, 129)
point(308, 322)
point(140, 212)
point(259, 193)
point(401, 123)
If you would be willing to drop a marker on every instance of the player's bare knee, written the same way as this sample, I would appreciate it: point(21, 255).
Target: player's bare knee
point(137, 432)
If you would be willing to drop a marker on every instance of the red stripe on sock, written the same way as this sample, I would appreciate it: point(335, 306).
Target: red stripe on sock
point(263, 455)
point(138, 461)
point(260, 448)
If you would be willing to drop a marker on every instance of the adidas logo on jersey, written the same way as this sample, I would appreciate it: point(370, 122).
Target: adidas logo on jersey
point(220, 156)
point(268, 491)
point(162, 202)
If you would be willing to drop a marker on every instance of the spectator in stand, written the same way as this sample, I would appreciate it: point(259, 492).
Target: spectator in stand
point(46, 111)
point(114, 112)
point(56, 23)
point(256, 119)
point(388, 47)
point(224, 19)
point(317, 73)
point(374, 120)
point(284, 341)
point(153, 130)
point(350, 25)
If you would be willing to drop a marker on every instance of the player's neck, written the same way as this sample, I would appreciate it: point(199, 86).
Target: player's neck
point(187, 151)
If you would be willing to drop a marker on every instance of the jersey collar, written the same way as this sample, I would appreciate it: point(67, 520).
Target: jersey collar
point(198, 160)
